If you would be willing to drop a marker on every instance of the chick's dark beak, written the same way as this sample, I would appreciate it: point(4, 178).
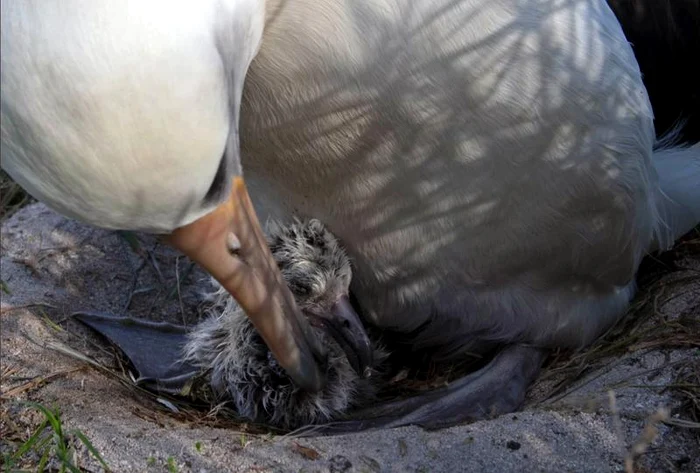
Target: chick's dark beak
point(344, 325)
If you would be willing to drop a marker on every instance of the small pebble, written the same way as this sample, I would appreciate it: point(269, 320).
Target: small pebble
point(513, 445)
point(339, 464)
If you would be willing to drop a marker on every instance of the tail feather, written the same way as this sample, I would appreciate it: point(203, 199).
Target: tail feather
point(678, 199)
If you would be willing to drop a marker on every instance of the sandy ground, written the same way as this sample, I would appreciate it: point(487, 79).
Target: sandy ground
point(66, 266)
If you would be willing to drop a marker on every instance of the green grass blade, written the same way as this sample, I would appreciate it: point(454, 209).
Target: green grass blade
point(43, 445)
point(131, 239)
point(26, 446)
point(44, 460)
point(60, 442)
point(51, 323)
point(91, 448)
point(71, 467)
point(8, 462)
point(4, 288)
point(52, 417)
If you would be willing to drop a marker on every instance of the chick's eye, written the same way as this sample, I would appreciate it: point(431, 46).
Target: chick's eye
point(300, 289)
point(316, 241)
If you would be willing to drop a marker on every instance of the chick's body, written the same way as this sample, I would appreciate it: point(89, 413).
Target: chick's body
point(237, 363)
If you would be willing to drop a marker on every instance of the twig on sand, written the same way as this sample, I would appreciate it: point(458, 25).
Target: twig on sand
point(36, 382)
point(6, 310)
point(134, 282)
point(179, 293)
point(645, 438)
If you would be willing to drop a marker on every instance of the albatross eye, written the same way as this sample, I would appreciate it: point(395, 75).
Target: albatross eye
point(315, 239)
point(300, 289)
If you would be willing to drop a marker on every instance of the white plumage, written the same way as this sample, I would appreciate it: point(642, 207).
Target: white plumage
point(118, 114)
point(488, 164)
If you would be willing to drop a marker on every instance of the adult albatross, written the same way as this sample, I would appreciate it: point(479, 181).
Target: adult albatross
point(489, 165)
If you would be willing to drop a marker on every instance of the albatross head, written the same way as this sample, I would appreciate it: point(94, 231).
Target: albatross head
point(125, 115)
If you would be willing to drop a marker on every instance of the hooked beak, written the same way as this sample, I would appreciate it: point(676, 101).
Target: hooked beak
point(344, 325)
point(229, 244)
